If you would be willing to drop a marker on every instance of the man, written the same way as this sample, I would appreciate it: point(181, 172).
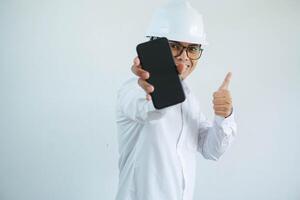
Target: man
point(158, 148)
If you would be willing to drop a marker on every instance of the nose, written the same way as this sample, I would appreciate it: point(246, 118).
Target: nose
point(183, 56)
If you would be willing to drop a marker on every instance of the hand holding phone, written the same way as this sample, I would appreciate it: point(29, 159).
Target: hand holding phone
point(156, 58)
point(143, 75)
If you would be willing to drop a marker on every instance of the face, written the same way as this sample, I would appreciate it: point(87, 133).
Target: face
point(185, 65)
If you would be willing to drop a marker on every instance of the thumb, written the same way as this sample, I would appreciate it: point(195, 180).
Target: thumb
point(226, 82)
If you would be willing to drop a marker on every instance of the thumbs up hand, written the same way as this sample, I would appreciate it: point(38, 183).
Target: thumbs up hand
point(222, 98)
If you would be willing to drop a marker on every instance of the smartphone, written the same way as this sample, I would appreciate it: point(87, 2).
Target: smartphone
point(156, 58)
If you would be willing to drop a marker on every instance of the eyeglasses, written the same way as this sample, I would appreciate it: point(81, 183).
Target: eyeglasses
point(193, 51)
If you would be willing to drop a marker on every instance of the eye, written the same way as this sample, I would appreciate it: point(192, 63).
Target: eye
point(174, 46)
point(193, 49)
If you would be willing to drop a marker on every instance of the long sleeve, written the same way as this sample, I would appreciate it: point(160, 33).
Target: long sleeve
point(214, 138)
point(133, 105)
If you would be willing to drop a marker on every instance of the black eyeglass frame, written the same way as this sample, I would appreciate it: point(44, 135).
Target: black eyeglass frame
point(186, 50)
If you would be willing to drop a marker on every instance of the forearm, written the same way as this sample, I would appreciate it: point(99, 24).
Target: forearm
point(215, 139)
point(133, 104)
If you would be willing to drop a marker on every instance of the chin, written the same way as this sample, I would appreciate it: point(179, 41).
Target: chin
point(185, 76)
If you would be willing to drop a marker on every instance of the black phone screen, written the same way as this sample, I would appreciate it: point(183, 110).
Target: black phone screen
point(156, 58)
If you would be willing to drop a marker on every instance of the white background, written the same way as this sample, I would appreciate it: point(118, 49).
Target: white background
point(62, 62)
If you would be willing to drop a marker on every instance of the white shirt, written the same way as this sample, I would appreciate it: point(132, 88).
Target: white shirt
point(158, 148)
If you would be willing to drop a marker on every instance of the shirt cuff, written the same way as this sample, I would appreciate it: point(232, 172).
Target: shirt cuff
point(226, 124)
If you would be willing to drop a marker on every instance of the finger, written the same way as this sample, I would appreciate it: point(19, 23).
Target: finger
point(148, 97)
point(145, 85)
point(140, 72)
point(221, 113)
point(226, 82)
point(221, 109)
point(136, 61)
point(222, 106)
point(221, 101)
point(221, 93)
point(225, 107)
point(137, 69)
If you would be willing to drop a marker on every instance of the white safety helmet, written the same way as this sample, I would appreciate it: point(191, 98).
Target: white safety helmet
point(178, 21)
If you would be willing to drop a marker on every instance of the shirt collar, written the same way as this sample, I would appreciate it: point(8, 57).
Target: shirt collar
point(185, 86)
